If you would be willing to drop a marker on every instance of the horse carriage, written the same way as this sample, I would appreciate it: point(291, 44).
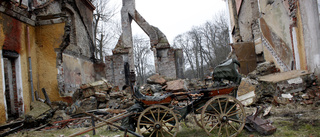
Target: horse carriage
point(215, 109)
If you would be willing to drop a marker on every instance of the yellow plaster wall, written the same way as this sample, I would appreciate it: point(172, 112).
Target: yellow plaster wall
point(23, 65)
point(49, 37)
point(24, 68)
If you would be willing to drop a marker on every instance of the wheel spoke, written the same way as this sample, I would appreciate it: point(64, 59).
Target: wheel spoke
point(161, 133)
point(220, 105)
point(165, 114)
point(211, 121)
point(232, 114)
point(226, 127)
point(214, 109)
point(231, 108)
point(213, 127)
point(152, 133)
point(235, 120)
point(146, 124)
point(158, 114)
point(142, 121)
point(225, 108)
point(169, 125)
point(167, 132)
point(172, 118)
point(148, 119)
point(152, 115)
point(210, 112)
point(157, 135)
point(233, 127)
point(219, 133)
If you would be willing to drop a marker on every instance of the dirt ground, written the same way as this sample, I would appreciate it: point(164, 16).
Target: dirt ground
point(290, 120)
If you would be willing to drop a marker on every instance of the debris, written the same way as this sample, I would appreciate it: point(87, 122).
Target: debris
point(81, 106)
point(60, 115)
point(281, 83)
point(46, 96)
point(156, 79)
point(59, 105)
point(247, 99)
point(264, 127)
point(288, 96)
point(267, 111)
point(177, 85)
point(89, 89)
point(246, 91)
point(10, 128)
point(263, 69)
point(38, 111)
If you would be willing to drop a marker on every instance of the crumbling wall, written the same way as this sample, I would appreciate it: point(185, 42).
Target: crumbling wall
point(247, 16)
point(311, 33)
point(275, 26)
point(179, 60)
point(75, 72)
point(115, 69)
point(13, 37)
point(169, 63)
point(81, 43)
point(2, 97)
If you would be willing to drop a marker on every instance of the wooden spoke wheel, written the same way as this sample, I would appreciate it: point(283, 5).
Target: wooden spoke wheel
point(223, 115)
point(158, 121)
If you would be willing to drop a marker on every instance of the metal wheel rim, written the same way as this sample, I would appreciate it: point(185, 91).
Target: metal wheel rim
point(158, 121)
point(225, 120)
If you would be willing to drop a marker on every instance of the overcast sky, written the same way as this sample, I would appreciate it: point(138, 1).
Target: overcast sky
point(174, 17)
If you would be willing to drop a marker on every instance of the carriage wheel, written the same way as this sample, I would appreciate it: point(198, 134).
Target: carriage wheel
point(159, 121)
point(223, 115)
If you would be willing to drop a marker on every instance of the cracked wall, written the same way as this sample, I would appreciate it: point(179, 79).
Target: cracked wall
point(58, 65)
point(168, 61)
point(285, 32)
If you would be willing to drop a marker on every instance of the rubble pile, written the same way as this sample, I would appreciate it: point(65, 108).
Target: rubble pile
point(296, 86)
point(263, 69)
point(158, 85)
point(263, 87)
point(99, 95)
point(286, 87)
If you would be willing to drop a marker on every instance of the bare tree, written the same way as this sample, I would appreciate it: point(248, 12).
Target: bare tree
point(101, 17)
point(183, 41)
point(204, 46)
point(142, 54)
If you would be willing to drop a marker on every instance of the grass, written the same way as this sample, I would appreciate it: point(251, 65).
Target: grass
point(284, 129)
point(288, 125)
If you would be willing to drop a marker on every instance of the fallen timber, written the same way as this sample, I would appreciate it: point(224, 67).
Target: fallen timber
point(107, 122)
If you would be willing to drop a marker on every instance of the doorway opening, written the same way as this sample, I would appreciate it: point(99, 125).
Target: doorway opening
point(12, 87)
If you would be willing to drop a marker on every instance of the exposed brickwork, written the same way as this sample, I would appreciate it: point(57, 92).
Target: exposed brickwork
point(165, 60)
point(13, 34)
point(293, 4)
point(115, 69)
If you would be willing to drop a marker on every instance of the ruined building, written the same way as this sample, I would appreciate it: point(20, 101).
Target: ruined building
point(168, 61)
point(44, 44)
point(285, 32)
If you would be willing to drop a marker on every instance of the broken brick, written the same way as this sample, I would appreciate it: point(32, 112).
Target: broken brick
point(177, 85)
point(156, 79)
